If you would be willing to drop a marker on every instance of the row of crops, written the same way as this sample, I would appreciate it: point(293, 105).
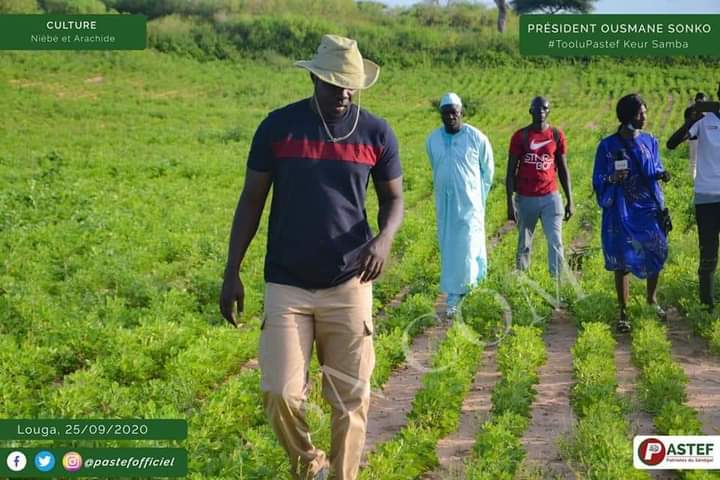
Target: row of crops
point(121, 185)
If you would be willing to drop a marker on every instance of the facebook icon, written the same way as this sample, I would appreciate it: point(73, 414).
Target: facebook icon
point(16, 461)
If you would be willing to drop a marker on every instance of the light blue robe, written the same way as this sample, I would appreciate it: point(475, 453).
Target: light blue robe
point(463, 169)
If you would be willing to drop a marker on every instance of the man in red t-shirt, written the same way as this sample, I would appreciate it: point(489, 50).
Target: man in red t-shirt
point(537, 152)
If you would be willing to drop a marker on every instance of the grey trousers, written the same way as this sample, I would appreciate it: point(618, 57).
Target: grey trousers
point(549, 209)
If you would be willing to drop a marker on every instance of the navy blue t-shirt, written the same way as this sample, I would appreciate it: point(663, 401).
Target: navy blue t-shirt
point(318, 225)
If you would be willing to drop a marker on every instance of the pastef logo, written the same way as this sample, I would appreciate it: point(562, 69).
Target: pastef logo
point(684, 452)
point(651, 451)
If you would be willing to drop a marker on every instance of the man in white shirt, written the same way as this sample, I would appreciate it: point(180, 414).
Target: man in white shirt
point(707, 191)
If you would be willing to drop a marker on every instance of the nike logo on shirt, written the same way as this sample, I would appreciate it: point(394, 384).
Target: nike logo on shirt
point(535, 146)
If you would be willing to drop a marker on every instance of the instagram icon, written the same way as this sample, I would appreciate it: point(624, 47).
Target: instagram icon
point(72, 461)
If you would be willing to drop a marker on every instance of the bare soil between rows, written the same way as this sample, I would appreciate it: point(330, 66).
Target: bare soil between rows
point(641, 423)
point(389, 406)
point(552, 418)
point(702, 369)
point(453, 449)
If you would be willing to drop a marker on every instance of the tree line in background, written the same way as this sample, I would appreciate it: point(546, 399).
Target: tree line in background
point(529, 6)
point(274, 31)
point(159, 8)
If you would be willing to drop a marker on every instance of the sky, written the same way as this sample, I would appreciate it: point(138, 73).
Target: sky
point(627, 6)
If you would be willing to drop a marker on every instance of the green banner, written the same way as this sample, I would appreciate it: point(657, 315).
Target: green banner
point(92, 462)
point(71, 429)
point(73, 32)
point(620, 35)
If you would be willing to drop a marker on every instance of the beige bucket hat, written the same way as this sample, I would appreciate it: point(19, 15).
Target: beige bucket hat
point(338, 62)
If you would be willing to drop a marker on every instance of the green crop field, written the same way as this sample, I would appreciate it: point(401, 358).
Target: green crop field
point(119, 174)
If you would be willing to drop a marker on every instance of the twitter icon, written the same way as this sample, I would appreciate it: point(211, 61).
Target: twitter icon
point(44, 461)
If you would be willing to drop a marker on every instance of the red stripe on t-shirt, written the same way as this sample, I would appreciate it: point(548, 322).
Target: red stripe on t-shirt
point(318, 150)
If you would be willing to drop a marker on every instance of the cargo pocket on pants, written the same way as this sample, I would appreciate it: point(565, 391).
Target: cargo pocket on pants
point(368, 327)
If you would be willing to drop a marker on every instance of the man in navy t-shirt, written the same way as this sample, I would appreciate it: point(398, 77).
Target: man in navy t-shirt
point(318, 154)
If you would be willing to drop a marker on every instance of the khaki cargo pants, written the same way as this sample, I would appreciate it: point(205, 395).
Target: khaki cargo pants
point(338, 321)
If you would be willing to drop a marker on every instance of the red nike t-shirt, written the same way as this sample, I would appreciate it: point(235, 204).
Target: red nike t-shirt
point(536, 158)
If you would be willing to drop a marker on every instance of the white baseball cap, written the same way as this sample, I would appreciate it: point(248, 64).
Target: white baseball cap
point(450, 98)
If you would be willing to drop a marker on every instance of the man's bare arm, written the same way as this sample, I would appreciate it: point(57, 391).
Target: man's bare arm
point(683, 133)
point(566, 184)
point(245, 224)
point(510, 186)
point(390, 215)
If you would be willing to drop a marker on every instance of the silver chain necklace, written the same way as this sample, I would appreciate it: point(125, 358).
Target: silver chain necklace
point(327, 130)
